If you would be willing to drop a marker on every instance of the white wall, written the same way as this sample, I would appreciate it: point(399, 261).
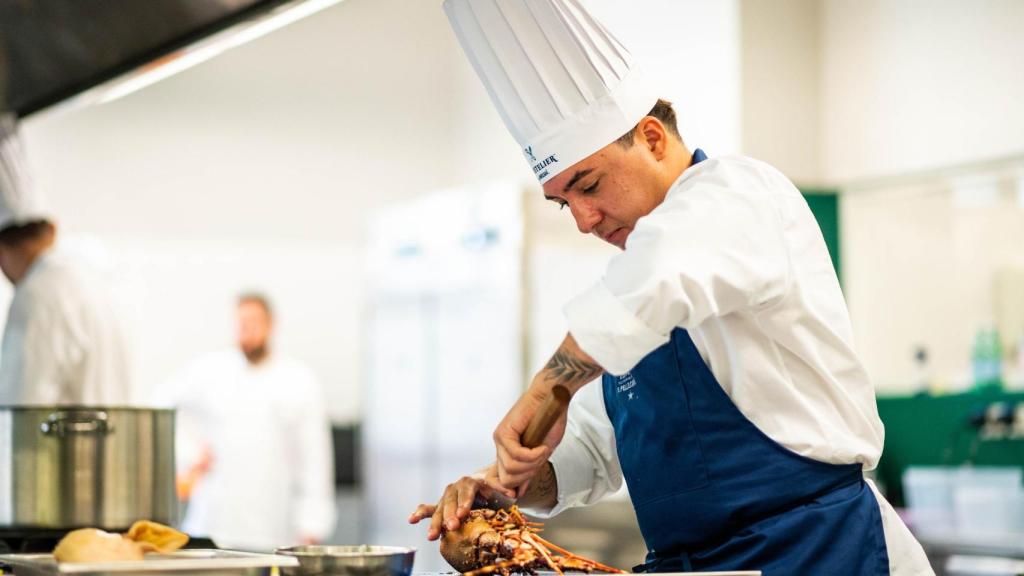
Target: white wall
point(895, 102)
point(781, 86)
point(921, 262)
point(296, 134)
point(257, 169)
point(919, 98)
point(915, 84)
point(692, 48)
point(837, 92)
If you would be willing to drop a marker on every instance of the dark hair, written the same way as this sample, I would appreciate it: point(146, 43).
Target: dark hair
point(257, 298)
point(662, 111)
point(17, 234)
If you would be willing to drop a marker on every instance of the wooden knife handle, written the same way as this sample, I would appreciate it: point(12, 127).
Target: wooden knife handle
point(544, 419)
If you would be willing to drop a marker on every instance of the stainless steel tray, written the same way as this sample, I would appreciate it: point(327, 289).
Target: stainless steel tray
point(183, 562)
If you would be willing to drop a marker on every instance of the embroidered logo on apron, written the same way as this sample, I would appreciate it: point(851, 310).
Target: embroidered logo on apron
point(624, 385)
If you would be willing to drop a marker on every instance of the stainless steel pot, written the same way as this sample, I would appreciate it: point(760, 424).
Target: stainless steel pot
point(66, 466)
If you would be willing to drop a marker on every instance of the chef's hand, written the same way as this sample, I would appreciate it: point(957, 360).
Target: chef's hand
point(516, 463)
point(457, 501)
point(186, 481)
point(570, 367)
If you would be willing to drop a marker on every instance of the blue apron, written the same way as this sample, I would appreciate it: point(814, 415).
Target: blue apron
point(713, 492)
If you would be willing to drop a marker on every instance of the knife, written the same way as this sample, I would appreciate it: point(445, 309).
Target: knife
point(542, 422)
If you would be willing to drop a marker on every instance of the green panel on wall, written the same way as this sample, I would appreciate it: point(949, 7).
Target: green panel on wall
point(825, 207)
point(928, 430)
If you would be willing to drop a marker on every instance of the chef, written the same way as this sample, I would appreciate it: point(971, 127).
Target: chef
point(254, 441)
point(62, 343)
point(730, 400)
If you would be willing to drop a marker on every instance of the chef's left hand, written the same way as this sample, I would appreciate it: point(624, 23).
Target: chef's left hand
point(457, 501)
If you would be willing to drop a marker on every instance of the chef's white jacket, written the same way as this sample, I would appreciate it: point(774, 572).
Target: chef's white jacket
point(63, 343)
point(271, 481)
point(734, 256)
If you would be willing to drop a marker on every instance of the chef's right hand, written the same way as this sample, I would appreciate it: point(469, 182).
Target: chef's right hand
point(516, 463)
point(457, 501)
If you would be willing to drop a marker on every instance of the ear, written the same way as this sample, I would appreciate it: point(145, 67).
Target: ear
point(654, 135)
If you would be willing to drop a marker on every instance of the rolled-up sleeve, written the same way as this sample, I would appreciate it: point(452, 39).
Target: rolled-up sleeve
point(707, 250)
point(586, 465)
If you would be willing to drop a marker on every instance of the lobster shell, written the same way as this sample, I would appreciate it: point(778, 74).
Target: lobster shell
point(460, 547)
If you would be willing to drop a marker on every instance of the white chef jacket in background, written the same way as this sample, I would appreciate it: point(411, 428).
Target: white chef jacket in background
point(271, 481)
point(63, 343)
point(734, 256)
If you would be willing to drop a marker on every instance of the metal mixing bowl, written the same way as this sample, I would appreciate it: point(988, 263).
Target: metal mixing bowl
point(349, 560)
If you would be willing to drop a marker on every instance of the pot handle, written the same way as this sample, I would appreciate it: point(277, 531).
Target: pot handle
point(67, 422)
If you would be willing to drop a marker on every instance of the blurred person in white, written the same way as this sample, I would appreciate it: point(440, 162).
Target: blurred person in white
point(62, 343)
point(254, 458)
point(728, 395)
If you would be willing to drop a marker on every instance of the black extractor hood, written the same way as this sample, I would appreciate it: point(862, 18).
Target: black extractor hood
point(53, 51)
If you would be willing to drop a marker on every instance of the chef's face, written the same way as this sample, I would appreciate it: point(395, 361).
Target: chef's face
point(610, 190)
point(254, 326)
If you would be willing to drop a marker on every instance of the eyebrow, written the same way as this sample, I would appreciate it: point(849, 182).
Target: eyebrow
point(576, 178)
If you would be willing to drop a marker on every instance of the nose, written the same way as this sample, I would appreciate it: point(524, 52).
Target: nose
point(587, 216)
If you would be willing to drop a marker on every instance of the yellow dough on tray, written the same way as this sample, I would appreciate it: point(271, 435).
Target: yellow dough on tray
point(92, 545)
point(156, 537)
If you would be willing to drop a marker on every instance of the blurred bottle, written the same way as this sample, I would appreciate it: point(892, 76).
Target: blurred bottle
point(922, 374)
point(987, 359)
point(1015, 366)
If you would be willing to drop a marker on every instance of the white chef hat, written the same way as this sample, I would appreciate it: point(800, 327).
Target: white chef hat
point(564, 86)
point(19, 202)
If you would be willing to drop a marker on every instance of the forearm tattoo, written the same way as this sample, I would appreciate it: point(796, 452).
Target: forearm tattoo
point(565, 368)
